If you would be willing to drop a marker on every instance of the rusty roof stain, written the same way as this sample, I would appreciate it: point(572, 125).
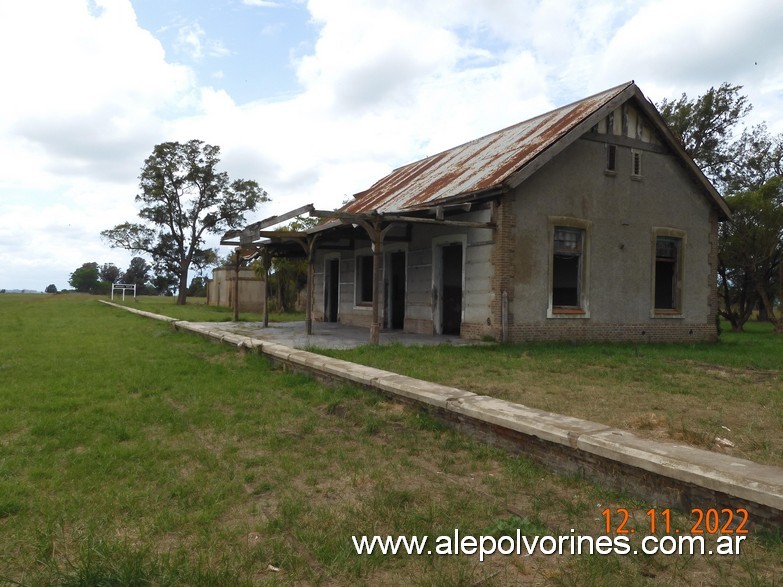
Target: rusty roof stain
point(479, 165)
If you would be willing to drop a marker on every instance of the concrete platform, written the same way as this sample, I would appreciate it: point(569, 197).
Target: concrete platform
point(327, 335)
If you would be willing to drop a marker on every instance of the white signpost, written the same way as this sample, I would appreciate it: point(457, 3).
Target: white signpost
point(124, 287)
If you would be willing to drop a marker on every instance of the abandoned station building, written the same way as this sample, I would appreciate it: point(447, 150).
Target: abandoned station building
point(589, 222)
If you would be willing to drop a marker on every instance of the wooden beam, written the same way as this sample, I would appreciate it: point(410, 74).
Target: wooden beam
point(248, 233)
point(281, 234)
point(462, 223)
point(272, 220)
point(349, 217)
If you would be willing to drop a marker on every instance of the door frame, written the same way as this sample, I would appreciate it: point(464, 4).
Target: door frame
point(437, 277)
point(328, 277)
point(388, 311)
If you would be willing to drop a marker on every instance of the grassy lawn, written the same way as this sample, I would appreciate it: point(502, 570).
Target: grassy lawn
point(131, 454)
point(197, 310)
point(697, 394)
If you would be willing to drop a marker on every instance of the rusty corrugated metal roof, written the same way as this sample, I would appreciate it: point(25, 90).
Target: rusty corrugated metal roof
point(479, 165)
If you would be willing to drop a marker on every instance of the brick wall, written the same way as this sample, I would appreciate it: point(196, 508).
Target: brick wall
point(713, 273)
point(659, 330)
point(472, 331)
point(503, 267)
point(418, 326)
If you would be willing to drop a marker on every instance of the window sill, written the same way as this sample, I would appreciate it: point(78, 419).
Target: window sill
point(610, 173)
point(637, 178)
point(666, 314)
point(567, 313)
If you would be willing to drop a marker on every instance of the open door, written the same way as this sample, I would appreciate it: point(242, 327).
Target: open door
point(331, 290)
point(396, 318)
point(451, 283)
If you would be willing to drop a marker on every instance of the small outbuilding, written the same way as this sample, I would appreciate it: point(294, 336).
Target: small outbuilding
point(586, 223)
point(220, 289)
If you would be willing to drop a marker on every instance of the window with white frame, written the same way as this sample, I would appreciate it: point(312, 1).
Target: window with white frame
point(667, 275)
point(636, 164)
point(568, 261)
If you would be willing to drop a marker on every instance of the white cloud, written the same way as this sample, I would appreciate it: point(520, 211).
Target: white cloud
point(671, 47)
point(86, 94)
point(83, 89)
point(262, 3)
point(191, 42)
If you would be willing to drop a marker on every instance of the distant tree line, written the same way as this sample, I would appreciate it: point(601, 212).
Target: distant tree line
point(98, 279)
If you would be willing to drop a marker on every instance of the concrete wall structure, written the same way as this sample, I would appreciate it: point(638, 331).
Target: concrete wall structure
point(621, 215)
point(220, 289)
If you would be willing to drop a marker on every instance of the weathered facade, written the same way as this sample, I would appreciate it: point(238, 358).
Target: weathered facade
point(586, 223)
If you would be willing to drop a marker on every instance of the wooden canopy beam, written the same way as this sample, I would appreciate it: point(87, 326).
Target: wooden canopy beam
point(358, 218)
point(285, 234)
point(247, 235)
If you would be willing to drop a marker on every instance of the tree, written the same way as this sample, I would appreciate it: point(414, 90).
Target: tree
point(748, 170)
point(110, 272)
point(705, 126)
point(138, 273)
point(288, 276)
point(755, 245)
point(198, 287)
point(85, 278)
point(183, 197)
point(164, 284)
point(51, 288)
point(757, 158)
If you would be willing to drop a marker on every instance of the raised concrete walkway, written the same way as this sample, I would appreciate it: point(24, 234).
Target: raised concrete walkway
point(327, 335)
point(673, 475)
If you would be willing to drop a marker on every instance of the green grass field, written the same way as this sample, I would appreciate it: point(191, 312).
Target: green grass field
point(131, 454)
point(700, 393)
point(197, 310)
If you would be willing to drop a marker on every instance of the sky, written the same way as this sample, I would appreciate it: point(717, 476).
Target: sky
point(316, 99)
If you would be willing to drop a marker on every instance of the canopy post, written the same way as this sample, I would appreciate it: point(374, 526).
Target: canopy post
point(308, 244)
point(265, 263)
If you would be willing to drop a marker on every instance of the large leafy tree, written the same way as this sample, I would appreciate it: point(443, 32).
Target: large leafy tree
point(757, 159)
point(137, 273)
point(747, 167)
point(705, 126)
point(110, 272)
point(85, 278)
point(183, 197)
point(751, 255)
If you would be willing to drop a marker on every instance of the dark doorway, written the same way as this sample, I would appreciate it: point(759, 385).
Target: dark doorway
point(397, 290)
point(332, 293)
point(451, 311)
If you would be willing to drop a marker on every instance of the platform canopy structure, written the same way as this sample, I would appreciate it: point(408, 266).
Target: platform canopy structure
point(337, 231)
